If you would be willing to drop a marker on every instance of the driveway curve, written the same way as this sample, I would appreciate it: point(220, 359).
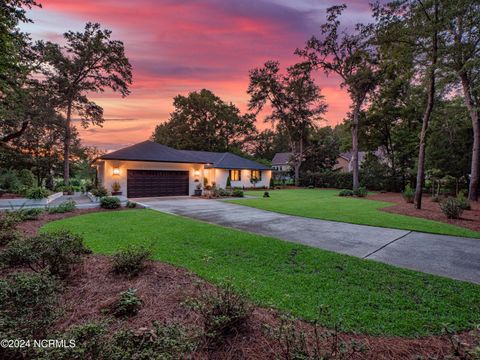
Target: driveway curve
point(450, 256)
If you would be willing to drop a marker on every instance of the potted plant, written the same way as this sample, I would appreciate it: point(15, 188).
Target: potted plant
point(198, 190)
point(116, 188)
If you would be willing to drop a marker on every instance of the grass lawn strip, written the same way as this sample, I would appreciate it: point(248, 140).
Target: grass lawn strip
point(370, 297)
point(327, 205)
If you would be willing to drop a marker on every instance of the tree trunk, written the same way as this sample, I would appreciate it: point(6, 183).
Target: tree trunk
point(425, 120)
point(298, 162)
point(66, 145)
point(472, 110)
point(354, 161)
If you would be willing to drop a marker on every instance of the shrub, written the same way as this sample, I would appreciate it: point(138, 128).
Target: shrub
point(408, 194)
point(68, 189)
point(360, 192)
point(66, 206)
point(130, 261)
point(463, 202)
point(9, 220)
point(237, 193)
point(327, 179)
point(7, 236)
point(29, 214)
point(9, 181)
point(326, 344)
point(26, 178)
point(92, 341)
point(229, 182)
point(266, 194)
point(345, 192)
point(131, 204)
point(451, 208)
point(27, 304)
point(37, 193)
point(223, 192)
point(271, 185)
point(99, 192)
point(55, 252)
point(109, 202)
point(127, 304)
point(224, 313)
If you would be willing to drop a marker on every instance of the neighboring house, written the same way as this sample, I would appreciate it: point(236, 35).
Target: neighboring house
point(151, 169)
point(344, 160)
point(281, 162)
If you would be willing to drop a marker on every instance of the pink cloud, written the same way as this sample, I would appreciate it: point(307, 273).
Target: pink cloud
point(181, 46)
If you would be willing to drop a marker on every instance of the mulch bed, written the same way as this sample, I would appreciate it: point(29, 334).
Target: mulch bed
point(5, 196)
point(470, 219)
point(164, 288)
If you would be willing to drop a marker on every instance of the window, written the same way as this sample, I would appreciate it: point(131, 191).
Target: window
point(256, 174)
point(235, 175)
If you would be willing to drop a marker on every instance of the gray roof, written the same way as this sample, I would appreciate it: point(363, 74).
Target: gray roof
point(281, 158)
point(152, 151)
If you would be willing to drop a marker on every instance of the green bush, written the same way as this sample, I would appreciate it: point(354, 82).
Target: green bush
point(345, 192)
point(451, 208)
point(26, 178)
point(130, 261)
point(237, 193)
point(131, 204)
point(68, 189)
point(9, 181)
point(224, 313)
point(327, 179)
point(408, 194)
point(110, 202)
point(37, 193)
point(28, 214)
point(27, 305)
point(99, 192)
point(9, 220)
point(92, 341)
point(360, 192)
point(7, 236)
point(127, 304)
point(266, 194)
point(463, 202)
point(229, 182)
point(66, 206)
point(55, 252)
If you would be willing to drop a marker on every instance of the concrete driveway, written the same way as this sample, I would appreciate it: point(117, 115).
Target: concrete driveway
point(454, 257)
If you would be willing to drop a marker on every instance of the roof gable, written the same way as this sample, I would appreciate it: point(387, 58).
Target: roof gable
point(281, 158)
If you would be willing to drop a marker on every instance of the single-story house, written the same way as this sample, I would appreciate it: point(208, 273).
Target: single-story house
point(149, 169)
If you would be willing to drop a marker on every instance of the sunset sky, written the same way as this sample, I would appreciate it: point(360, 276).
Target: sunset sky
point(179, 46)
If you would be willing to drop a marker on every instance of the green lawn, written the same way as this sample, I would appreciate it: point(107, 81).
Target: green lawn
point(327, 205)
point(370, 297)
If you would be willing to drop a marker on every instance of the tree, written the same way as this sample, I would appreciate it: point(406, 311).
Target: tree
point(89, 62)
point(295, 99)
point(203, 121)
point(352, 57)
point(416, 24)
point(462, 40)
point(323, 146)
point(16, 64)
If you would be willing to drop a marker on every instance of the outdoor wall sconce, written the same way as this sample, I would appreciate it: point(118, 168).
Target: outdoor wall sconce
point(196, 173)
point(116, 171)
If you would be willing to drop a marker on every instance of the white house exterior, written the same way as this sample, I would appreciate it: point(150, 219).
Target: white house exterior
point(149, 169)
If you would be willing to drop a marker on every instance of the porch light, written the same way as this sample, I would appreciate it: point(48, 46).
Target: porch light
point(116, 171)
point(196, 173)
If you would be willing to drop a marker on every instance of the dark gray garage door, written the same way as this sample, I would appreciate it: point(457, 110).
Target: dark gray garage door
point(146, 183)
